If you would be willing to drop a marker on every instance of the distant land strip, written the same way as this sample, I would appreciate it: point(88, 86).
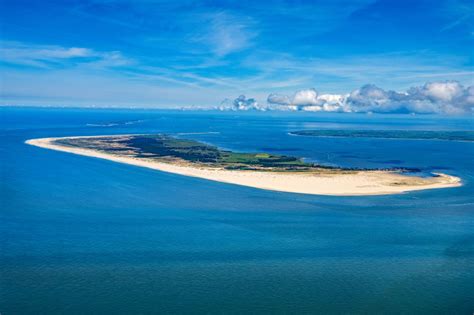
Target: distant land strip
point(390, 134)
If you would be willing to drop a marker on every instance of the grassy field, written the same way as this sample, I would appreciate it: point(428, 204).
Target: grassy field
point(193, 151)
point(167, 147)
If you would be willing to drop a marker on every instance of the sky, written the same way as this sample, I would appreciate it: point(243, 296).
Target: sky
point(154, 53)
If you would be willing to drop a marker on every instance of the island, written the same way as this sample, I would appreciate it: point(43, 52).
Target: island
point(465, 136)
point(258, 170)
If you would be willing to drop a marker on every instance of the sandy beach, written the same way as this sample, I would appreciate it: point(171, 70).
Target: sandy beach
point(352, 184)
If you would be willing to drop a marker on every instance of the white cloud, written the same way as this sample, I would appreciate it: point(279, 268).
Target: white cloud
point(370, 98)
point(433, 97)
point(241, 103)
point(312, 108)
point(305, 98)
point(226, 33)
point(45, 56)
point(331, 98)
point(278, 99)
point(449, 97)
point(444, 91)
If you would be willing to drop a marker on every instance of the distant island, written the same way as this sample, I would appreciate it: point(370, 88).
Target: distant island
point(390, 134)
point(258, 170)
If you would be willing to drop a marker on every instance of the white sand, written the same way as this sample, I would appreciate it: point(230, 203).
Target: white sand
point(353, 184)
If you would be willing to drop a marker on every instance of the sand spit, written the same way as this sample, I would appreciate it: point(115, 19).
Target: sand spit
point(359, 183)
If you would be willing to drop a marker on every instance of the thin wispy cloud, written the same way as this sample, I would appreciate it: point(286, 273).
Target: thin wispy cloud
point(50, 56)
point(225, 33)
point(460, 14)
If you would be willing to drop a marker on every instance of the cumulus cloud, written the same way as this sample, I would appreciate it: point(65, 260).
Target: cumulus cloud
point(370, 98)
point(241, 103)
point(449, 97)
point(308, 100)
point(307, 97)
point(278, 99)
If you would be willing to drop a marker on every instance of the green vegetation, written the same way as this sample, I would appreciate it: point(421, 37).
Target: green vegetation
point(169, 148)
point(391, 134)
point(175, 150)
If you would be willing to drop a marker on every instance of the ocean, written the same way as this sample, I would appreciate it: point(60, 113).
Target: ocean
point(80, 235)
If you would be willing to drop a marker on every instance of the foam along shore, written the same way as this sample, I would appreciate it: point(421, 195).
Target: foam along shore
point(355, 183)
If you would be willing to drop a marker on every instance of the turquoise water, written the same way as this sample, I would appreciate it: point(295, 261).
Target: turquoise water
point(81, 235)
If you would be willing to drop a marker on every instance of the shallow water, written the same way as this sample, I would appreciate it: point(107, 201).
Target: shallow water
point(83, 235)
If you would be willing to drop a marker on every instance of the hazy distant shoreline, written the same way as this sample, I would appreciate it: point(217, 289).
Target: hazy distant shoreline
point(458, 136)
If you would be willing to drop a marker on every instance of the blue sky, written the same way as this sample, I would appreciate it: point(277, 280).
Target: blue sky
point(183, 53)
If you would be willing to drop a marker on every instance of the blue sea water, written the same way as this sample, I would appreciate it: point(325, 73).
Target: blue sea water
point(80, 235)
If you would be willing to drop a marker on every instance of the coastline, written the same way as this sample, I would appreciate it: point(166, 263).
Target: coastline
point(360, 183)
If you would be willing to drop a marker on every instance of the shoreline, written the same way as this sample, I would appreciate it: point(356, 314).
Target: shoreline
point(359, 183)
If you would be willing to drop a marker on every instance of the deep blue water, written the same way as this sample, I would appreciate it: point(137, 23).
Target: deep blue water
point(80, 235)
